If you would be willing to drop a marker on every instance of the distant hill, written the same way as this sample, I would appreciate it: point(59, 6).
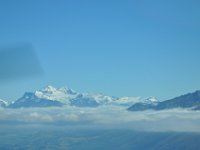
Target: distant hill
point(190, 100)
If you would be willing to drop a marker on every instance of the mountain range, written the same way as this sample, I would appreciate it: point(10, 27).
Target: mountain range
point(59, 97)
point(51, 96)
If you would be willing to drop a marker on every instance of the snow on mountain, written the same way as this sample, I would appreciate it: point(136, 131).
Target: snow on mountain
point(83, 100)
point(50, 96)
point(127, 101)
point(68, 96)
point(63, 94)
point(151, 100)
point(29, 99)
point(3, 103)
point(99, 98)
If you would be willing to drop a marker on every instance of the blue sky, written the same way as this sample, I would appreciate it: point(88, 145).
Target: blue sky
point(129, 47)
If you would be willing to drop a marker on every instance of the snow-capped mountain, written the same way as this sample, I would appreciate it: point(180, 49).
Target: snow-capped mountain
point(3, 103)
point(126, 101)
point(62, 94)
point(83, 100)
point(31, 100)
point(151, 100)
point(51, 96)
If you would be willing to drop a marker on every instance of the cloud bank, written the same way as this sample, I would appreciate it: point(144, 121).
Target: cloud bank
point(105, 117)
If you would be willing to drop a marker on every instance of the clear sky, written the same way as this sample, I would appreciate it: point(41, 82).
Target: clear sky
point(120, 48)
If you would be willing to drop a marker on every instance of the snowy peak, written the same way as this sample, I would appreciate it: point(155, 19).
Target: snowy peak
point(99, 98)
point(128, 101)
point(52, 90)
point(49, 89)
point(3, 103)
point(62, 94)
point(71, 97)
point(29, 99)
point(151, 100)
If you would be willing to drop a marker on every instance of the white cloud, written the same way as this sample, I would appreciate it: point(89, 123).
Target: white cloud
point(110, 117)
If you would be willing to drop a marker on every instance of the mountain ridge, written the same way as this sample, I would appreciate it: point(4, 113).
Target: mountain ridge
point(50, 95)
point(190, 101)
point(58, 97)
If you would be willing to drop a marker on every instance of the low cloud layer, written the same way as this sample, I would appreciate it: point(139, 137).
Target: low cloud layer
point(105, 117)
